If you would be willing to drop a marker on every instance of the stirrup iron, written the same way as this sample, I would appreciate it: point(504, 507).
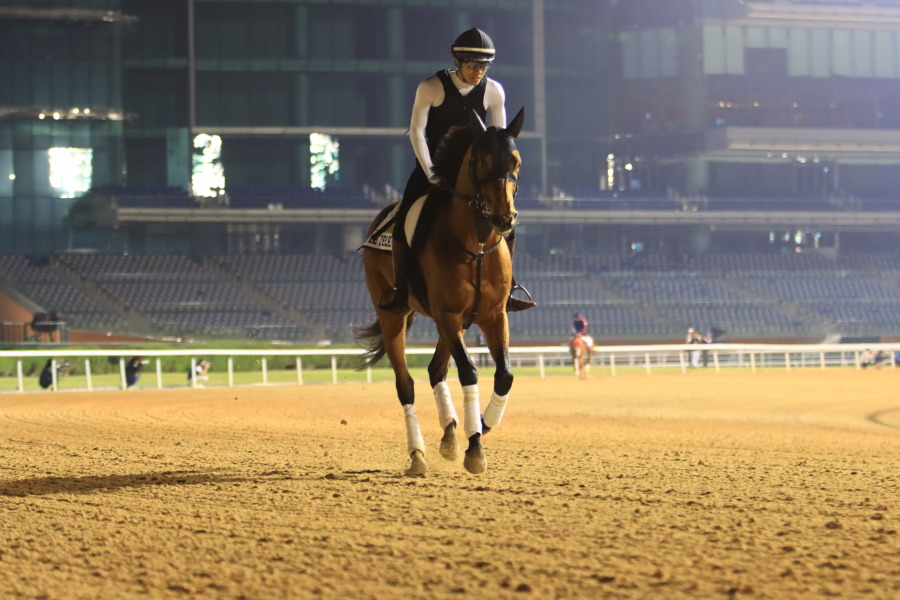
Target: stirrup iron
point(516, 304)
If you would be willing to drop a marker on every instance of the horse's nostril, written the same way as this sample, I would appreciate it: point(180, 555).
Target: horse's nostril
point(502, 224)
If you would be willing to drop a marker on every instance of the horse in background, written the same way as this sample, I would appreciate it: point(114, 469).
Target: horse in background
point(461, 275)
point(581, 348)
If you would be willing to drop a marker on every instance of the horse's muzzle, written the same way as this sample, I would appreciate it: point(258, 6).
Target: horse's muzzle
point(503, 224)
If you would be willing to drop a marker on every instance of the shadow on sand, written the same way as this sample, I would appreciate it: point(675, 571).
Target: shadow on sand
point(39, 486)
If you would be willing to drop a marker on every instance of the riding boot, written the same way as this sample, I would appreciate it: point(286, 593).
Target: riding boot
point(395, 300)
point(516, 304)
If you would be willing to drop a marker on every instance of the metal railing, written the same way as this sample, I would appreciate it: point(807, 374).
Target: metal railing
point(542, 360)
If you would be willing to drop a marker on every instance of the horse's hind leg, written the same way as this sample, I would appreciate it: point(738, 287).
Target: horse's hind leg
point(437, 374)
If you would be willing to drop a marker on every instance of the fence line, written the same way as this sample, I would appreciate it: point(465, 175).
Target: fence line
point(645, 357)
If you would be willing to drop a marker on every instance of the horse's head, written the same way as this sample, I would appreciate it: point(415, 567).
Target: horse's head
point(494, 171)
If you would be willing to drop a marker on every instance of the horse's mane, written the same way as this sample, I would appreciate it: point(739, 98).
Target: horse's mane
point(450, 152)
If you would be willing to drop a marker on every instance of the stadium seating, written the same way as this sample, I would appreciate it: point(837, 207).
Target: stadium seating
point(55, 293)
point(626, 296)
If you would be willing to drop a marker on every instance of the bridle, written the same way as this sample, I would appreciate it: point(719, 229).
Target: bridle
point(483, 215)
point(498, 173)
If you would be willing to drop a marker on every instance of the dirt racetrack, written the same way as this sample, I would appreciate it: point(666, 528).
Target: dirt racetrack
point(733, 485)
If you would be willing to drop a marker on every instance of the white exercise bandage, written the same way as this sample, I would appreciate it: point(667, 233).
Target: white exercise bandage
point(444, 403)
point(471, 410)
point(493, 414)
point(414, 439)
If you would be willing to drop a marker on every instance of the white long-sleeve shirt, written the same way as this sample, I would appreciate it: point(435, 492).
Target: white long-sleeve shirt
point(431, 93)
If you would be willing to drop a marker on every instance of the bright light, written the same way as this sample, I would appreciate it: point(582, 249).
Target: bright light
point(610, 171)
point(208, 173)
point(323, 159)
point(70, 170)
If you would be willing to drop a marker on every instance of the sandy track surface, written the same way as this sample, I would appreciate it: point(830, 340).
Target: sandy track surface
point(768, 485)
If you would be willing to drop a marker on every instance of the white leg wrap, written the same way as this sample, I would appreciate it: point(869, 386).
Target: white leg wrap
point(471, 410)
point(414, 439)
point(493, 414)
point(446, 412)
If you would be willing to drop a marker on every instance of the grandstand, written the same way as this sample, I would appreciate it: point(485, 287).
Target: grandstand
point(308, 298)
point(728, 167)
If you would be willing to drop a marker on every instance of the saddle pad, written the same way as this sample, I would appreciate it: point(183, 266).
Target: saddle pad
point(381, 239)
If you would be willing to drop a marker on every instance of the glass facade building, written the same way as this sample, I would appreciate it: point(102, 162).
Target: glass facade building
point(793, 100)
point(265, 75)
point(61, 112)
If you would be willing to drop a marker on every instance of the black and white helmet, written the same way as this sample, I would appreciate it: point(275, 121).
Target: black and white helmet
point(473, 45)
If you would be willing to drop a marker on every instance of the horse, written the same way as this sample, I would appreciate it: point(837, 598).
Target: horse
point(581, 348)
point(461, 275)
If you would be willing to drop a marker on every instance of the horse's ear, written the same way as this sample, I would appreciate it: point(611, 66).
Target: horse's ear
point(516, 125)
point(476, 125)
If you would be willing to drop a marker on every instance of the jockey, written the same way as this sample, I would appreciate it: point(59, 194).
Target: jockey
point(579, 325)
point(443, 101)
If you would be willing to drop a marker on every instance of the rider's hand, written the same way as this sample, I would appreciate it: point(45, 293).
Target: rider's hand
point(434, 179)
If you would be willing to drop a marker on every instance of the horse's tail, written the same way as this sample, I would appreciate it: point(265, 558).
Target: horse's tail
point(375, 341)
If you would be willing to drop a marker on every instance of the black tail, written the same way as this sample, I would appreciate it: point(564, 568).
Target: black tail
point(371, 333)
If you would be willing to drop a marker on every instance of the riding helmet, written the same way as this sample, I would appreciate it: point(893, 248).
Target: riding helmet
point(473, 44)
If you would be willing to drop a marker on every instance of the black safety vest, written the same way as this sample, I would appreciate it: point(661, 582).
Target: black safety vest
point(454, 110)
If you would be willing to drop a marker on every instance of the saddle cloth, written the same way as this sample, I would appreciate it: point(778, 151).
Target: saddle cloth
point(381, 239)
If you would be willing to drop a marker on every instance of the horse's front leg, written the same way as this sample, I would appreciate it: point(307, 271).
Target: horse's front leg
point(496, 334)
point(437, 375)
point(450, 330)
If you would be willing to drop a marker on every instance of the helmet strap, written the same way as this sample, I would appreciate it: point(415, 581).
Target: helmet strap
point(459, 71)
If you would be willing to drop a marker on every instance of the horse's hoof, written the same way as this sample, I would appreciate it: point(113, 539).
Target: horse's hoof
point(449, 443)
point(474, 462)
point(418, 466)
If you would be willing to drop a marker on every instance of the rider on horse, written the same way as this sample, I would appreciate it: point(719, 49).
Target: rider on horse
point(443, 101)
point(579, 325)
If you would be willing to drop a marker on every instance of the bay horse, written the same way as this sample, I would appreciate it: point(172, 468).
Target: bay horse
point(461, 274)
